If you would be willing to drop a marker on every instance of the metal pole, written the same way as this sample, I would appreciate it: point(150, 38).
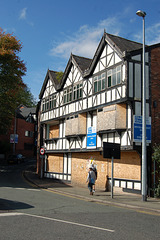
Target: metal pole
point(112, 178)
point(144, 160)
point(14, 144)
point(42, 157)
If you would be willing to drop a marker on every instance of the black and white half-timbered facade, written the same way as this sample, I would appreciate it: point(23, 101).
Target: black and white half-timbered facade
point(97, 100)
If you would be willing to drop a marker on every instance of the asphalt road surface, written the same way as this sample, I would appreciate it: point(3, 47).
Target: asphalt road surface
point(27, 212)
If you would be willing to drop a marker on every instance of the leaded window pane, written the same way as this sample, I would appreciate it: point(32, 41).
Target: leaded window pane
point(99, 85)
point(109, 81)
point(95, 87)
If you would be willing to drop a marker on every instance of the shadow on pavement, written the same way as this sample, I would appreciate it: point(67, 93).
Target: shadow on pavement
point(31, 175)
point(13, 205)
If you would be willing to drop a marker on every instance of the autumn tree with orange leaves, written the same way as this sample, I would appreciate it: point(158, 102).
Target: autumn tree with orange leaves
point(12, 69)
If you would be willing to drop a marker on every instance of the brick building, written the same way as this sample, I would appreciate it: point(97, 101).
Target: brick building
point(24, 128)
point(155, 90)
point(101, 96)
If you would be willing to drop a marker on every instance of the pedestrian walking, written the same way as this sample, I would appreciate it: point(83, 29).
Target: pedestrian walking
point(91, 179)
point(95, 171)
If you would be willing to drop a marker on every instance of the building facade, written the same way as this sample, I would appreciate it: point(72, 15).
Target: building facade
point(98, 100)
point(21, 138)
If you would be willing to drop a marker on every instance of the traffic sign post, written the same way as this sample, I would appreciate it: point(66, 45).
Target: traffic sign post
point(42, 151)
point(111, 150)
point(42, 154)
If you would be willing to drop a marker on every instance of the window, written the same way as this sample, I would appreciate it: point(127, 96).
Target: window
point(75, 94)
point(114, 76)
point(28, 134)
point(77, 91)
point(69, 94)
point(52, 102)
point(99, 83)
point(43, 106)
point(49, 103)
point(65, 96)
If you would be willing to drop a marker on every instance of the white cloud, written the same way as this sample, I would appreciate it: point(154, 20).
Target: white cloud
point(23, 16)
point(153, 34)
point(23, 13)
point(85, 41)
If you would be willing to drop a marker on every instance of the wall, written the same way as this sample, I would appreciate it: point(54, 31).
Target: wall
point(155, 92)
point(76, 125)
point(54, 131)
point(114, 115)
point(55, 163)
point(128, 167)
point(21, 127)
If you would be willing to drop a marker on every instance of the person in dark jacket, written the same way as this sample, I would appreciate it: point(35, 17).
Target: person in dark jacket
point(91, 179)
point(95, 171)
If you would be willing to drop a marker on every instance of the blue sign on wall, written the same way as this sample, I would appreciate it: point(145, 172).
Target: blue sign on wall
point(138, 129)
point(91, 137)
point(13, 138)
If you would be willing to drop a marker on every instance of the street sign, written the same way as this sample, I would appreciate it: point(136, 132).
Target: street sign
point(111, 150)
point(91, 138)
point(42, 151)
point(13, 138)
point(137, 124)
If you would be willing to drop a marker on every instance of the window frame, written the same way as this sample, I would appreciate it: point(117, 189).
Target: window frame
point(73, 93)
point(99, 82)
point(114, 76)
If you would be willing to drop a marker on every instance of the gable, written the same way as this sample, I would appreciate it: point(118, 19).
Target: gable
point(50, 89)
point(108, 58)
point(74, 76)
point(49, 86)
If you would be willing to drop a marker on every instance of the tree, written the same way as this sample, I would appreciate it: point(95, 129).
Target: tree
point(156, 159)
point(27, 98)
point(59, 76)
point(12, 87)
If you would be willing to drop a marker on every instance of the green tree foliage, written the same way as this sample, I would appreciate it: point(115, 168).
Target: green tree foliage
point(27, 98)
point(12, 69)
point(156, 158)
point(59, 76)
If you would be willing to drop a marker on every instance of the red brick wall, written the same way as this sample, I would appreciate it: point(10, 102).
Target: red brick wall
point(155, 93)
point(21, 127)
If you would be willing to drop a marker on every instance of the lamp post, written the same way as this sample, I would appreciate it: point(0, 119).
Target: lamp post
point(144, 160)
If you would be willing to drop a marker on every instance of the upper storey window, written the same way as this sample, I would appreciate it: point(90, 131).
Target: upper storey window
point(77, 92)
point(67, 95)
point(99, 82)
point(114, 76)
point(72, 94)
point(49, 103)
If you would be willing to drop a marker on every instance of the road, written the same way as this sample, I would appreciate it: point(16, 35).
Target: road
point(27, 212)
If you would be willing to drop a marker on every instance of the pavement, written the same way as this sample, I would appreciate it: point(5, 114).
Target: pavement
point(120, 199)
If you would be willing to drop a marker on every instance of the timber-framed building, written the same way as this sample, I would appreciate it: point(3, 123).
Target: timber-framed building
point(100, 96)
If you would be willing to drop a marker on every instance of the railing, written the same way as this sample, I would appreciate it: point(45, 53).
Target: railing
point(127, 184)
point(58, 176)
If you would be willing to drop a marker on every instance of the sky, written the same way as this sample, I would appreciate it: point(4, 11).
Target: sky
point(50, 30)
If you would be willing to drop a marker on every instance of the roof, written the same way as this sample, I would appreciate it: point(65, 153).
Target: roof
point(24, 112)
point(82, 62)
point(52, 76)
point(124, 44)
point(86, 65)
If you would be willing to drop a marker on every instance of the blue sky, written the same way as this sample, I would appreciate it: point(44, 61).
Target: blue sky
point(50, 29)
